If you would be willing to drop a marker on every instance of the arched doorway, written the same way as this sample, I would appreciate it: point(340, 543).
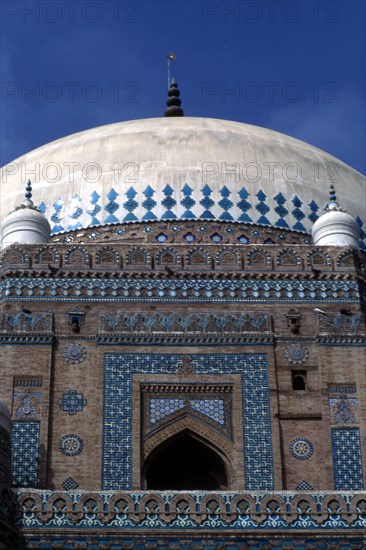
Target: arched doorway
point(184, 463)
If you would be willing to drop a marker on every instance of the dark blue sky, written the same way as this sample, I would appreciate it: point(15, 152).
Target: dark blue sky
point(297, 67)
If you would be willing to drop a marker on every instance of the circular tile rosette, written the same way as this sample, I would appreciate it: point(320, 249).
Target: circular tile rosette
point(301, 448)
point(74, 353)
point(71, 445)
point(296, 354)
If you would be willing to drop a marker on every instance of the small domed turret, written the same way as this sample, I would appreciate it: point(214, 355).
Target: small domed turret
point(25, 224)
point(335, 227)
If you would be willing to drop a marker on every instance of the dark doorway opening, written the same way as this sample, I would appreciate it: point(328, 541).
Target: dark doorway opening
point(185, 464)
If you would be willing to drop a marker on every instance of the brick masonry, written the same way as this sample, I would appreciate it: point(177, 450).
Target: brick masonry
point(89, 401)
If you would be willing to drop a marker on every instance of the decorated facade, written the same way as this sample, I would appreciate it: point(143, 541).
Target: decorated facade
point(182, 354)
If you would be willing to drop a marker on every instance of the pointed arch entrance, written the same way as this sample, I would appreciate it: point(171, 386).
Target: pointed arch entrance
point(185, 463)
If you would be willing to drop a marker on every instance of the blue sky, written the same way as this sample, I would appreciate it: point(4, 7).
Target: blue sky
point(297, 67)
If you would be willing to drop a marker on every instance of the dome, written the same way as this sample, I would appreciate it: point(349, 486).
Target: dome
point(335, 227)
point(181, 168)
point(25, 225)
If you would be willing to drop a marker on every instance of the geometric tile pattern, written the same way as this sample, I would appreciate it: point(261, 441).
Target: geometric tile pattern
point(72, 402)
point(301, 448)
point(24, 453)
point(213, 408)
point(69, 484)
point(232, 520)
point(189, 205)
point(304, 486)
point(70, 445)
point(296, 354)
point(178, 290)
point(347, 459)
point(74, 353)
point(117, 437)
point(198, 322)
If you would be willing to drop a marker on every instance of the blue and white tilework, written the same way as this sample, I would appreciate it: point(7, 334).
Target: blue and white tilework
point(301, 448)
point(24, 453)
point(193, 202)
point(318, 521)
point(163, 407)
point(304, 486)
point(74, 353)
point(343, 404)
point(347, 459)
point(27, 403)
point(71, 445)
point(70, 484)
point(72, 402)
point(176, 290)
point(343, 410)
point(257, 434)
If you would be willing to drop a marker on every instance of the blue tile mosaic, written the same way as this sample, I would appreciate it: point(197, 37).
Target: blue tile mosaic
point(72, 402)
point(24, 453)
point(244, 205)
point(234, 515)
point(188, 202)
point(207, 203)
point(75, 212)
point(149, 203)
point(70, 484)
point(213, 408)
point(281, 210)
point(111, 207)
point(93, 209)
point(304, 486)
point(161, 408)
point(301, 448)
point(130, 205)
point(27, 403)
point(342, 410)
point(298, 214)
point(168, 202)
point(314, 209)
point(226, 204)
point(71, 445)
point(165, 290)
point(216, 238)
point(347, 459)
point(57, 216)
point(262, 208)
point(117, 433)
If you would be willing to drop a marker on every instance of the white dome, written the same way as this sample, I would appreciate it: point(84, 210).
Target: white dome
point(336, 228)
point(181, 168)
point(25, 225)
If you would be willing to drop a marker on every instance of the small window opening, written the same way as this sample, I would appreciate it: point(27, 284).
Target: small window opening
point(299, 380)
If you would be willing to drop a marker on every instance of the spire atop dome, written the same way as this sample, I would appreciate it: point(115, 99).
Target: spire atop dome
point(173, 101)
point(333, 203)
point(28, 195)
point(27, 203)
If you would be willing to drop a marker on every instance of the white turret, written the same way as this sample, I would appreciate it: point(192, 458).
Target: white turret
point(25, 224)
point(335, 227)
